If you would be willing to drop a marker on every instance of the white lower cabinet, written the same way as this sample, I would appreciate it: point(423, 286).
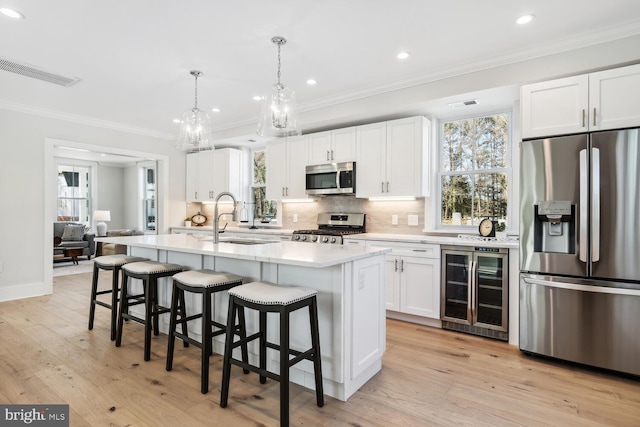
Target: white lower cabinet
point(412, 277)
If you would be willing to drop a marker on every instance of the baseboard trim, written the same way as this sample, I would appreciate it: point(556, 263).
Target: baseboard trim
point(27, 290)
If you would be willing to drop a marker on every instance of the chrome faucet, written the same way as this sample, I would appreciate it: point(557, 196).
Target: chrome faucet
point(216, 217)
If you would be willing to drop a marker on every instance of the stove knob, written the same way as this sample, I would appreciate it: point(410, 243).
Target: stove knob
point(325, 239)
point(333, 240)
point(304, 238)
point(314, 238)
point(296, 237)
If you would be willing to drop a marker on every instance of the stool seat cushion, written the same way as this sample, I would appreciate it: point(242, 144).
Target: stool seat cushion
point(206, 278)
point(151, 267)
point(116, 260)
point(270, 294)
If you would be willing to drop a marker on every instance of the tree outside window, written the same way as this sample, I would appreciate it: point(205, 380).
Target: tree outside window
point(474, 170)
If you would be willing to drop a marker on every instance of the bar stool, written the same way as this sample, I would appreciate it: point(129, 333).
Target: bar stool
point(205, 283)
point(149, 272)
point(266, 298)
point(113, 263)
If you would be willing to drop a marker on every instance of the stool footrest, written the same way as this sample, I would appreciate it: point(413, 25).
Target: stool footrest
point(106, 291)
point(102, 303)
point(252, 368)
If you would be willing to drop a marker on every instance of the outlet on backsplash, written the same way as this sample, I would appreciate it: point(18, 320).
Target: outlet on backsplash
point(295, 217)
point(412, 220)
point(394, 219)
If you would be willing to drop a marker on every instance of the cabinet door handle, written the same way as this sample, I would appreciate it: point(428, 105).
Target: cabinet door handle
point(196, 195)
point(287, 190)
point(395, 268)
point(382, 187)
point(584, 114)
point(283, 191)
point(327, 154)
point(331, 154)
point(594, 116)
point(401, 266)
point(387, 186)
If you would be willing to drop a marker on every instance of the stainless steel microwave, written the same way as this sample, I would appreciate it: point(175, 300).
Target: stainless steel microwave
point(331, 178)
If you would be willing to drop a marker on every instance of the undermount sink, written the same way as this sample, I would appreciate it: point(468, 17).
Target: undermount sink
point(247, 241)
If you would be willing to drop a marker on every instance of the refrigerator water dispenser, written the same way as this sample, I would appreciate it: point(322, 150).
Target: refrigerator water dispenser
point(554, 228)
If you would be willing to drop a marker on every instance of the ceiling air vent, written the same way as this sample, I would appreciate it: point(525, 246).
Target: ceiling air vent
point(463, 103)
point(36, 73)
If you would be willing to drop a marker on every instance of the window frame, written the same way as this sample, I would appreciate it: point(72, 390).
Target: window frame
point(508, 170)
point(90, 199)
point(277, 220)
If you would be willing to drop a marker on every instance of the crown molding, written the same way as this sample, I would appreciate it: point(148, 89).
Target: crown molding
point(89, 121)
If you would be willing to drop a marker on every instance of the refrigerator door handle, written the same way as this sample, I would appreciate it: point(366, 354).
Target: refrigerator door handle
point(595, 205)
point(583, 288)
point(470, 291)
point(584, 200)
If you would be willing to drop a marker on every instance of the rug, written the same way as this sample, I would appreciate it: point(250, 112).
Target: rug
point(68, 268)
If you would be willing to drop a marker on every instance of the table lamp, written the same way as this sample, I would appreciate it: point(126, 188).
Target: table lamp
point(100, 217)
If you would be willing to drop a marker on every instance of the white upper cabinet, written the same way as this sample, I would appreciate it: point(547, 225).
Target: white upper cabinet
point(286, 161)
point(555, 107)
point(392, 158)
point(589, 102)
point(210, 173)
point(614, 98)
point(332, 146)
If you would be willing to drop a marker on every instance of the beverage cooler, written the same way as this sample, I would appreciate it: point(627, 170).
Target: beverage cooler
point(475, 287)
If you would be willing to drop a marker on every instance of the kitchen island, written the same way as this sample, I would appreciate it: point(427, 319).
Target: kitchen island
point(349, 281)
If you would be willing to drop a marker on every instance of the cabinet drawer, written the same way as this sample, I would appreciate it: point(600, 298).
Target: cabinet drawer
point(351, 242)
point(424, 250)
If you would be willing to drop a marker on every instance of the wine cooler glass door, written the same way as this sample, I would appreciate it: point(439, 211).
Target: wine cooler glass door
point(490, 299)
point(456, 286)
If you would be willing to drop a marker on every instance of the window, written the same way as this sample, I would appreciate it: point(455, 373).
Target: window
point(149, 201)
point(264, 210)
point(474, 171)
point(74, 203)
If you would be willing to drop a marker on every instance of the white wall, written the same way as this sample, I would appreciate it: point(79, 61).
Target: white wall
point(110, 189)
point(23, 198)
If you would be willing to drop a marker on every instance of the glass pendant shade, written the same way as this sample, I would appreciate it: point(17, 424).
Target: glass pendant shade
point(279, 117)
point(195, 126)
point(195, 131)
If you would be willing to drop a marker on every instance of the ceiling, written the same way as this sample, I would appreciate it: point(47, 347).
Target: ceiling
point(133, 57)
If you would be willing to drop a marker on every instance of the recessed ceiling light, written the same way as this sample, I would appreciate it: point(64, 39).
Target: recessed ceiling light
point(176, 120)
point(11, 13)
point(257, 98)
point(524, 19)
point(215, 110)
point(402, 55)
point(311, 82)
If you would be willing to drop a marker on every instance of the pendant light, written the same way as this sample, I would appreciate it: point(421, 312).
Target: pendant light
point(195, 128)
point(279, 117)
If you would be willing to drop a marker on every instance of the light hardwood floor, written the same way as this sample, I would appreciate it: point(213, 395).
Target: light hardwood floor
point(430, 377)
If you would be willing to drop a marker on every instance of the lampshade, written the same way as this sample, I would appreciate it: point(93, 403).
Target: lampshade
point(195, 126)
point(279, 116)
point(100, 217)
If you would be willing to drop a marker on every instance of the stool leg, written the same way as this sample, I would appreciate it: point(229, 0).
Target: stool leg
point(183, 316)
point(228, 342)
point(153, 287)
point(114, 301)
point(94, 290)
point(284, 367)
point(317, 358)
point(123, 308)
point(172, 326)
point(148, 307)
point(263, 344)
point(242, 325)
point(206, 341)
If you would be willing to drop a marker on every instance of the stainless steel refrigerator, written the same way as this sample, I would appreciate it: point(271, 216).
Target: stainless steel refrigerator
point(580, 249)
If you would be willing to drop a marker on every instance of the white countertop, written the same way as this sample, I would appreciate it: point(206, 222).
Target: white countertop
point(439, 240)
point(390, 237)
point(291, 253)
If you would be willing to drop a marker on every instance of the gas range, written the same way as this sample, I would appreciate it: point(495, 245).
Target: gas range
point(331, 228)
